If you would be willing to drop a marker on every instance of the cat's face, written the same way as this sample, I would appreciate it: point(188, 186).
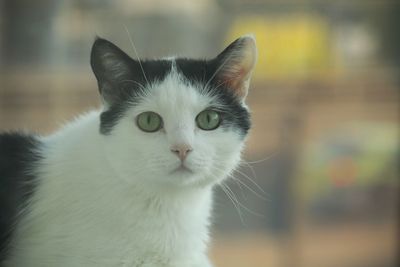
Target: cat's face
point(174, 122)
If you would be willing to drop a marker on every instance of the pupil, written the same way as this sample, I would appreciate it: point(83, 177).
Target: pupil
point(208, 117)
point(148, 119)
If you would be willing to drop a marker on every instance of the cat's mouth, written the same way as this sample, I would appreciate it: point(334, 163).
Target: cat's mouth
point(182, 169)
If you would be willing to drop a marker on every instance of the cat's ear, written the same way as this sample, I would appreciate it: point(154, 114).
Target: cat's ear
point(235, 65)
point(112, 68)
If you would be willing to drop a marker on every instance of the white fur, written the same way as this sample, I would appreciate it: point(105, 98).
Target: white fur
point(113, 201)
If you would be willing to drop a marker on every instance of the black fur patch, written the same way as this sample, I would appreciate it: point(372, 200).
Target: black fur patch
point(202, 72)
point(121, 82)
point(155, 70)
point(18, 158)
point(121, 79)
point(206, 73)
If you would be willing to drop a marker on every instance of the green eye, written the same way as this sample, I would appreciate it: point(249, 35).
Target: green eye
point(149, 121)
point(208, 120)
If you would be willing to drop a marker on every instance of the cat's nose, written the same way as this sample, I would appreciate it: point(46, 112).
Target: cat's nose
point(181, 150)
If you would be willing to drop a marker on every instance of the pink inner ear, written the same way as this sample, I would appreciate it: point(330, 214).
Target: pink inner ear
point(241, 73)
point(237, 67)
point(234, 80)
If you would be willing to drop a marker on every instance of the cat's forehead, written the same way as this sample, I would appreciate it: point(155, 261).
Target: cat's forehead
point(177, 92)
point(194, 70)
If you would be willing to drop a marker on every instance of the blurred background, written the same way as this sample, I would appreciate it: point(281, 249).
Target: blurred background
point(320, 185)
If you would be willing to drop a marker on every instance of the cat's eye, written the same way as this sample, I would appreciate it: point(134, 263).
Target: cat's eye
point(149, 121)
point(208, 120)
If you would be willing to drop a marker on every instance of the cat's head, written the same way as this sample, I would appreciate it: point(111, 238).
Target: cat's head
point(174, 121)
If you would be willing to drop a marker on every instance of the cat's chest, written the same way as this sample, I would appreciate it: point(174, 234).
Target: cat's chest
point(112, 230)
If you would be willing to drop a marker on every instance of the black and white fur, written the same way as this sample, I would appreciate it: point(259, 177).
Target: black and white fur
point(101, 192)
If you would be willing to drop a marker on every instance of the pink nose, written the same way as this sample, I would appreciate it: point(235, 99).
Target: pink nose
point(181, 150)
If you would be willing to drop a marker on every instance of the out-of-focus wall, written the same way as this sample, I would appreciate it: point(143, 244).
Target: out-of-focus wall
point(320, 183)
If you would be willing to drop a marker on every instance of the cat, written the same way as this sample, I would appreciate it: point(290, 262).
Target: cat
point(130, 184)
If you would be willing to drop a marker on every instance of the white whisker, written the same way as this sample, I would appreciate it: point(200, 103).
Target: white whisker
point(264, 195)
point(234, 202)
point(250, 167)
point(218, 69)
point(263, 159)
point(244, 207)
point(251, 180)
point(250, 189)
point(135, 82)
point(237, 203)
point(136, 53)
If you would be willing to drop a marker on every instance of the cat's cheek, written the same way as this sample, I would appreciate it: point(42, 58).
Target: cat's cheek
point(231, 155)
